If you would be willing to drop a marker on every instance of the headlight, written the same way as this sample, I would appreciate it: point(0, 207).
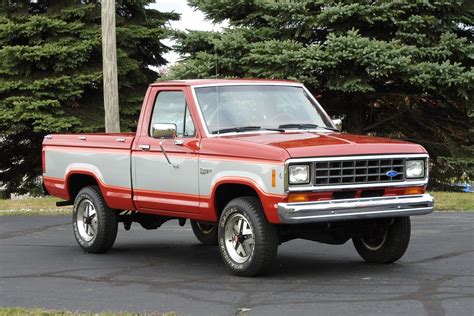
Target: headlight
point(415, 168)
point(298, 174)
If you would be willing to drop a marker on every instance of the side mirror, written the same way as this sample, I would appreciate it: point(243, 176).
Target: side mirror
point(337, 123)
point(163, 130)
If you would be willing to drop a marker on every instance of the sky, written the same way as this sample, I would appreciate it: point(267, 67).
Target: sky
point(190, 19)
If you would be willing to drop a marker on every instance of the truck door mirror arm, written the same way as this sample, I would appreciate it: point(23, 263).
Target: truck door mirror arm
point(164, 131)
point(175, 165)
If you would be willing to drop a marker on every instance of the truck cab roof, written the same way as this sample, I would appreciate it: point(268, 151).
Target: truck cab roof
point(199, 82)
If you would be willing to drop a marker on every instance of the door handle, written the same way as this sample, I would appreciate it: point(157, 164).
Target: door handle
point(144, 147)
point(179, 142)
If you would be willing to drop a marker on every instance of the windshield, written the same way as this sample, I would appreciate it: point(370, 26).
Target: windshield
point(227, 108)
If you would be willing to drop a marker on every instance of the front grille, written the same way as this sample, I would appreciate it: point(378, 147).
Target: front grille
point(358, 171)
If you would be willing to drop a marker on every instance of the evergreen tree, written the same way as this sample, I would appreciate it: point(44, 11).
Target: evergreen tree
point(401, 69)
point(51, 74)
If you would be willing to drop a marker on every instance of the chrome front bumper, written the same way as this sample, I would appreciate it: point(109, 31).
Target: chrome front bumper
point(350, 209)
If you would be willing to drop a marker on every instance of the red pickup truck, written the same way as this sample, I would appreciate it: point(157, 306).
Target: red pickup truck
point(252, 164)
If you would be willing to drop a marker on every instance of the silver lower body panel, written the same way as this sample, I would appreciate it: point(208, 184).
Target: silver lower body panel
point(351, 209)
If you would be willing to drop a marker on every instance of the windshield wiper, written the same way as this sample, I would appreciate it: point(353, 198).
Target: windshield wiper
point(246, 129)
point(307, 126)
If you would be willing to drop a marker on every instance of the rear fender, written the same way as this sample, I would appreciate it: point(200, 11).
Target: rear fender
point(115, 197)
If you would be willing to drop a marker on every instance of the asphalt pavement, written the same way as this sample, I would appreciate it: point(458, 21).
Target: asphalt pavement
point(168, 270)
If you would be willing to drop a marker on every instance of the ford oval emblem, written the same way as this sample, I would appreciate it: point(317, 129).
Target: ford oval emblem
point(392, 173)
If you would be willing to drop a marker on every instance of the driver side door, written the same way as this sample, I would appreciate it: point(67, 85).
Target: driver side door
point(159, 186)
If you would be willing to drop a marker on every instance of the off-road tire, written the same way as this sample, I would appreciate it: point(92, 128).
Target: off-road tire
point(265, 242)
point(206, 233)
point(392, 248)
point(107, 221)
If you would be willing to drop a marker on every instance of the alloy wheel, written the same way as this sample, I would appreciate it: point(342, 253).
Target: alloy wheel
point(239, 238)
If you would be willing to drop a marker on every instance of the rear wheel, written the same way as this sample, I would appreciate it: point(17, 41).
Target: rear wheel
point(206, 233)
point(385, 241)
point(247, 242)
point(94, 223)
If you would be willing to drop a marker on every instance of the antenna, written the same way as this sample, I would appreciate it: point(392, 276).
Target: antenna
point(216, 58)
point(217, 109)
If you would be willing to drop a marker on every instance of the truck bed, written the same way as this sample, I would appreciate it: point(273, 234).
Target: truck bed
point(105, 157)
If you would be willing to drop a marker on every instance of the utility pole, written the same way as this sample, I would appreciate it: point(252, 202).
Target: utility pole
point(109, 66)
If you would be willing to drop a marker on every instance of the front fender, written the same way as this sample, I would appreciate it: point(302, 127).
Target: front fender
point(269, 201)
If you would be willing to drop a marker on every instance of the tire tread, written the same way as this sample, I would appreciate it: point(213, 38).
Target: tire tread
point(269, 237)
point(106, 233)
point(395, 247)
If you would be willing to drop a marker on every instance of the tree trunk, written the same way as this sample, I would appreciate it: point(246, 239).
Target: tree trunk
point(109, 64)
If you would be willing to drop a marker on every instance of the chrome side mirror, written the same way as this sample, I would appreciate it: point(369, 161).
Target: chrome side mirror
point(337, 123)
point(163, 130)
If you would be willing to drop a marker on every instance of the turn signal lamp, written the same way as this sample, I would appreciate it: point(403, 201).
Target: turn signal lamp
point(298, 197)
point(414, 190)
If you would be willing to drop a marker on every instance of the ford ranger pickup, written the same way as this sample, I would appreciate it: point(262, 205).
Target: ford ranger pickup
point(251, 164)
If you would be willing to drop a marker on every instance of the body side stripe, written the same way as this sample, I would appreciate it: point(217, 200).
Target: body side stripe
point(86, 149)
point(169, 194)
point(242, 180)
point(84, 172)
point(53, 179)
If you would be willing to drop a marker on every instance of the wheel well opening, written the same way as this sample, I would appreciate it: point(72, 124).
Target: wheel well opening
point(229, 191)
point(77, 182)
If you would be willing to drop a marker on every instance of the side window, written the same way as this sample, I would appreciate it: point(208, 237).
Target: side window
point(171, 107)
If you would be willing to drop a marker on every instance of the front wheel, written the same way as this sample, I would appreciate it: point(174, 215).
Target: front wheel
point(247, 242)
point(385, 241)
point(94, 223)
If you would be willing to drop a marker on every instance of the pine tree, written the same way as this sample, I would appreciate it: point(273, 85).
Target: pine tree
point(402, 69)
point(51, 74)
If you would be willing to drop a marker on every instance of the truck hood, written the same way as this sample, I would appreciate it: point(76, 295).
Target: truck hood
point(317, 144)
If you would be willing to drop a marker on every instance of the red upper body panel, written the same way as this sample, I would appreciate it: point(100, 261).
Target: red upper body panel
point(92, 140)
point(312, 144)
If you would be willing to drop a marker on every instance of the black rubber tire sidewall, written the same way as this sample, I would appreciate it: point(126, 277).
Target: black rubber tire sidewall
point(394, 247)
point(209, 238)
point(265, 234)
point(107, 221)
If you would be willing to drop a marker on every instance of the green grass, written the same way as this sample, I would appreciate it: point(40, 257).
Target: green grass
point(33, 206)
point(444, 201)
point(453, 201)
point(14, 311)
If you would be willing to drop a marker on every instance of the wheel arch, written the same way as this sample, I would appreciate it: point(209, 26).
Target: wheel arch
point(227, 189)
point(76, 180)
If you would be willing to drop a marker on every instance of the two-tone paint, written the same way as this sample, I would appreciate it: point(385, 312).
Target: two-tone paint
point(133, 173)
